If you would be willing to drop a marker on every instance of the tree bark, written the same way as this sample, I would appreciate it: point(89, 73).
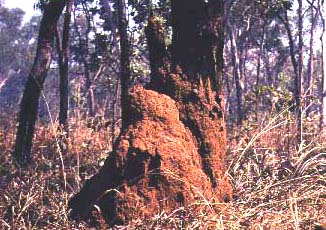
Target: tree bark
point(36, 78)
point(258, 70)
point(110, 25)
point(124, 61)
point(236, 74)
point(299, 80)
point(87, 65)
point(63, 53)
point(310, 65)
point(297, 68)
point(322, 13)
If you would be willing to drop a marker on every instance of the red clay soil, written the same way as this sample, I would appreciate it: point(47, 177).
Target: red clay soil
point(156, 164)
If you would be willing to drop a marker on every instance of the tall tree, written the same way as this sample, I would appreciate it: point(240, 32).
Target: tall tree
point(36, 78)
point(63, 53)
point(310, 65)
point(236, 73)
point(322, 13)
point(299, 80)
point(124, 59)
point(296, 54)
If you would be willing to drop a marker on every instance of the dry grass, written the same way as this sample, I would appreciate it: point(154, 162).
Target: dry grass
point(277, 184)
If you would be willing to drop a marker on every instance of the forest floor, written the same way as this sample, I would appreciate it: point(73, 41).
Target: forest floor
point(277, 184)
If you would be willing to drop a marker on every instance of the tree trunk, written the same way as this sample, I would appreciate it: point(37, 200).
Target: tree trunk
point(258, 70)
point(236, 74)
point(110, 25)
point(299, 80)
point(322, 13)
point(124, 61)
point(29, 104)
point(297, 68)
point(310, 65)
point(63, 53)
point(175, 144)
point(87, 65)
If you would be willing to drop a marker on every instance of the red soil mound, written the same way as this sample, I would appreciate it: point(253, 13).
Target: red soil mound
point(155, 166)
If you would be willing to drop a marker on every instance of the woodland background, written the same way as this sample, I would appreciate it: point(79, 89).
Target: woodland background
point(275, 104)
